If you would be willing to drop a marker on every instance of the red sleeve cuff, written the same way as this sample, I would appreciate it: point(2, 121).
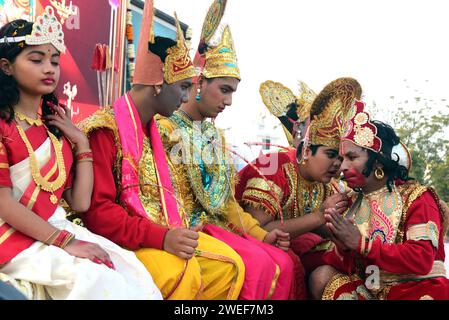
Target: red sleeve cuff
point(5, 179)
point(155, 236)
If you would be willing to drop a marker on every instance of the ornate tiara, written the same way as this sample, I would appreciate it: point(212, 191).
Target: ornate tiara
point(46, 29)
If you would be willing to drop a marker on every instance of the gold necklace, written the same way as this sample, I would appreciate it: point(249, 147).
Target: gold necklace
point(40, 181)
point(310, 194)
point(376, 192)
point(32, 122)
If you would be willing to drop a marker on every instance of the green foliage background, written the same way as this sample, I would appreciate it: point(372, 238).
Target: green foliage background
point(426, 134)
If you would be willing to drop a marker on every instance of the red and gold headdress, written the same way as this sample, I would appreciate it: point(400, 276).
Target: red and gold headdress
point(360, 130)
point(46, 29)
point(149, 68)
point(330, 111)
point(178, 64)
point(216, 55)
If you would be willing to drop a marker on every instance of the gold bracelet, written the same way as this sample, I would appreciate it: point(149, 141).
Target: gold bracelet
point(67, 240)
point(51, 236)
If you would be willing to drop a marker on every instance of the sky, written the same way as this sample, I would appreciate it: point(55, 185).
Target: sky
point(397, 50)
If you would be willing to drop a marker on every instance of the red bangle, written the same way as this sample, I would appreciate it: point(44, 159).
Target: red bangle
point(364, 246)
point(63, 238)
point(84, 155)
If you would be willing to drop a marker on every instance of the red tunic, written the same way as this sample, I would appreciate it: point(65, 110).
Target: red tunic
point(410, 257)
point(272, 167)
point(281, 170)
point(108, 218)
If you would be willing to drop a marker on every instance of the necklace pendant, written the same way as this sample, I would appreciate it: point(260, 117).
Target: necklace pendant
point(53, 199)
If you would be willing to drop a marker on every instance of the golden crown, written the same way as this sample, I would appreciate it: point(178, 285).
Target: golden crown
point(178, 64)
point(221, 60)
point(212, 20)
point(216, 58)
point(304, 101)
point(276, 97)
point(330, 111)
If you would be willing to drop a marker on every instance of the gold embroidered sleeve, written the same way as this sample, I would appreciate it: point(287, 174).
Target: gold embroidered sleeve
point(264, 194)
point(243, 220)
point(103, 118)
point(168, 133)
point(425, 231)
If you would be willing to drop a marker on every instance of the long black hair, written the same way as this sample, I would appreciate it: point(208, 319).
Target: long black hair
point(393, 170)
point(9, 91)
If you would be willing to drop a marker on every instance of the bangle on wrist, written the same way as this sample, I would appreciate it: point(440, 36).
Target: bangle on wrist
point(63, 239)
point(51, 237)
point(85, 160)
point(78, 152)
point(362, 245)
point(84, 155)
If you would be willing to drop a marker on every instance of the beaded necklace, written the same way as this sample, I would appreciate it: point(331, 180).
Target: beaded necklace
point(310, 195)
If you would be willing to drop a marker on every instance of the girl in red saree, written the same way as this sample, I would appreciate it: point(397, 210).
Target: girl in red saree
point(38, 244)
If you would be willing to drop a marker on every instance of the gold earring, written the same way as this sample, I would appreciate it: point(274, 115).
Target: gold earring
point(302, 162)
point(379, 174)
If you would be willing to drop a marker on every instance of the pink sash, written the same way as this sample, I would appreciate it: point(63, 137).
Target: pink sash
point(131, 137)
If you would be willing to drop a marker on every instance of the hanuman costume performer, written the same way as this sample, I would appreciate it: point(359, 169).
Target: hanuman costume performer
point(297, 183)
point(205, 168)
point(137, 199)
point(393, 248)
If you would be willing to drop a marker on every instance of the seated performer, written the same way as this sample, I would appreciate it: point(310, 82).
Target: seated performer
point(38, 244)
point(136, 200)
point(297, 184)
point(390, 243)
point(204, 170)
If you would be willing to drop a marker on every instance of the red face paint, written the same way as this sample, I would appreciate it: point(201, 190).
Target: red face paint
point(354, 178)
